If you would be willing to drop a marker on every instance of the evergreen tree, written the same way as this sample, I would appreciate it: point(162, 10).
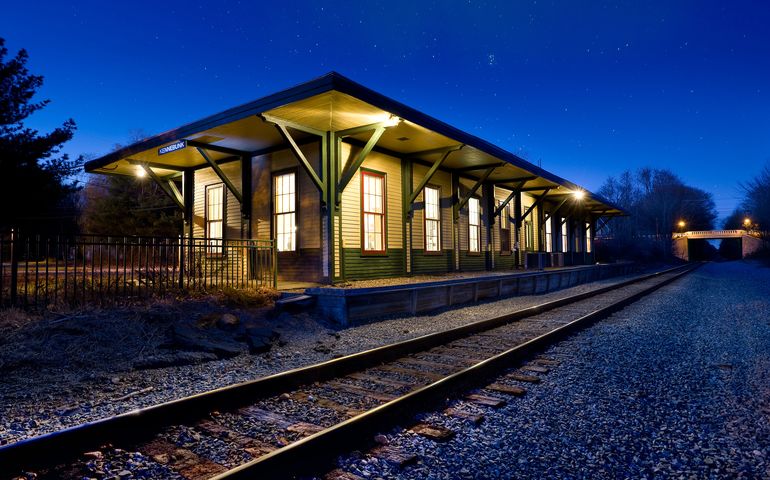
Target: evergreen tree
point(36, 193)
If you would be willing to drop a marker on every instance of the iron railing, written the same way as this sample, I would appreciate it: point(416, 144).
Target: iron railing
point(40, 270)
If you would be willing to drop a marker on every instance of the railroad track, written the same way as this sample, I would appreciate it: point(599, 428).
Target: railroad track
point(295, 422)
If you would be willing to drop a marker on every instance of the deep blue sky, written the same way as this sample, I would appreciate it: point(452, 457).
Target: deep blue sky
point(589, 90)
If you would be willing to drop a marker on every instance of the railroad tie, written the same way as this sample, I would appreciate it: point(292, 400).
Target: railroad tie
point(252, 446)
point(485, 400)
point(340, 474)
point(520, 377)
point(393, 455)
point(474, 418)
point(181, 460)
point(360, 391)
point(534, 368)
point(436, 433)
point(509, 389)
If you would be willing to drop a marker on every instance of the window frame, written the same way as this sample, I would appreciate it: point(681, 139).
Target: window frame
point(384, 215)
point(478, 226)
point(564, 236)
point(212, 249)
point(425, 220)
point(274, 214)
point(548, 230)
point(529, 236)
point(587, 237)
point(505, 213)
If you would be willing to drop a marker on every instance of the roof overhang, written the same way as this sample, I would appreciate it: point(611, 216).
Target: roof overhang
point(335, 103)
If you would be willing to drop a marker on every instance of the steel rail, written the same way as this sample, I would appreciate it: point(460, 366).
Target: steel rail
point(141, 424)
point(311, 453)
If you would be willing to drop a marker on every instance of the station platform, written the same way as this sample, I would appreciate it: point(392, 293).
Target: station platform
point(367, 299)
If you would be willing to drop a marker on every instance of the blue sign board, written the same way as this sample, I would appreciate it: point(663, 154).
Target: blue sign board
point(173, 147)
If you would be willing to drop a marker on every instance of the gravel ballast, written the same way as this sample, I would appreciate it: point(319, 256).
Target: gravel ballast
point(676, 385)
point(43, 399)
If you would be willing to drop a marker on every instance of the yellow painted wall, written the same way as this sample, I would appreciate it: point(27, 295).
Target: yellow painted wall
point(351, 199)
point(443, 180)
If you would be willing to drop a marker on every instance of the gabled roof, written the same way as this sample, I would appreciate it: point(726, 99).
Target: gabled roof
point(329, 101)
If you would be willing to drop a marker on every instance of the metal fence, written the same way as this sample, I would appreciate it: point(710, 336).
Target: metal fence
point(47, 270)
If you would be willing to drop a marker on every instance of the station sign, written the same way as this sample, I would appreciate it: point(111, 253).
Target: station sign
point(173, 147)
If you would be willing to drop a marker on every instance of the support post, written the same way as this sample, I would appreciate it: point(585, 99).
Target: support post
point(407, 202)
point(246, 191)
point(455, 221)
point(14, 265)
point(517, 227)
point(489, 195)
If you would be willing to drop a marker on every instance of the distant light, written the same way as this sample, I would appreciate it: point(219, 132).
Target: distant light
point(140, 172)
point(681, 223)
point(747, 221)
point(579, 194)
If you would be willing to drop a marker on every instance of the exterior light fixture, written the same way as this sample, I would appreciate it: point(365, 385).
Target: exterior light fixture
point(579, 194)
point(392, 121)
point(140, 172)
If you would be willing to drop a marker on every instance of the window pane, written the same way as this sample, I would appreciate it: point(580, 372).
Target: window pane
point(284, 205)
point(431, 203)
point(373, 209)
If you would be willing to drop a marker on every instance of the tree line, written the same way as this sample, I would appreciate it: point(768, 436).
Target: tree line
point(42, 192)
point(658, 204)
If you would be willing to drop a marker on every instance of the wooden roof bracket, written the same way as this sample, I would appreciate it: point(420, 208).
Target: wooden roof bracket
point(282, 127)
point(516, 190)
point(218, 170)
point(473, 190)
point(555, 210)
point(351, 169)
point(433, 169)
point(166, 184)
point(537, 202)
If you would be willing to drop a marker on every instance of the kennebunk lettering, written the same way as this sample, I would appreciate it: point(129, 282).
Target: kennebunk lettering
point(172, 148)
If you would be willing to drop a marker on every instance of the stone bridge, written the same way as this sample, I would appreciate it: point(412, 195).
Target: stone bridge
point(751, 242)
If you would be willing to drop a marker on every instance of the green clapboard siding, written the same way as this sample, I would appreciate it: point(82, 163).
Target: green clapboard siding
point(431, 263)
point(472, 263)
point(359, 267)
point(505, 262)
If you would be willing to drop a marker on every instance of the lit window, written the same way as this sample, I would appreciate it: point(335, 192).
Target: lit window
point(432, 220)
point(529, 236)
point(474, 225)
point(215, 208)
point(285, 211)
point(564, 240)
point(505, 229)
point(373, 211)
point(588, 238)
point(548, 236)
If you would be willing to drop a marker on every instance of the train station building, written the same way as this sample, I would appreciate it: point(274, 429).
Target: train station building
point(349, 184)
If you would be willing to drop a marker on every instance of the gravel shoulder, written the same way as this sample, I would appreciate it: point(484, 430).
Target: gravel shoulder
point(676, 385)
point(82, 369)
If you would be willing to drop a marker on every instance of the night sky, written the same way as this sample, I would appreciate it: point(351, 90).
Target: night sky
point(587, 90)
